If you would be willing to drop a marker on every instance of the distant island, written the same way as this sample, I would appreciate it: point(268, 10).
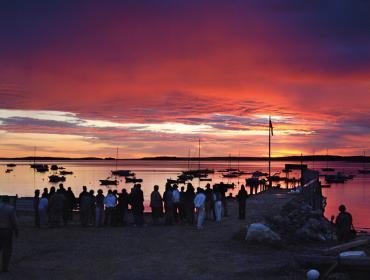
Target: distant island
point(225, 158)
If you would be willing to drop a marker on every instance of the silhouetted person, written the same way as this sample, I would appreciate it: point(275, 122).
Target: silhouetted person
point(156, 204)
point(92, 208)
point(84, 191)
point(56, 206)
point(36, 201)
point(99, 209)
point(122, 207)
point(176, 202)
point(65, 205)
point(43, 209)
point(343, 225)
point(200, 206)
point(50, 196)
point(137, 204)
point(242, 198)
point(209, 201)
point(217, 203)
point(223, 189)
point(8, 225)
point(45, 193)
point(189, 203)
point(71, 203)
point(182, 214)
point(85, 207)
point(110, 202)
point(168, 205)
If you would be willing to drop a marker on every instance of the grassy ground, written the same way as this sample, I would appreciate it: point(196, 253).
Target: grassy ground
point(154, 252)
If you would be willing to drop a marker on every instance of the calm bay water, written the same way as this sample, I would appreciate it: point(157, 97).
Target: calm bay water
point(355, 194)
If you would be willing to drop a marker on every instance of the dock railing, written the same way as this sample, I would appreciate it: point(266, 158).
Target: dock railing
point(312, 194)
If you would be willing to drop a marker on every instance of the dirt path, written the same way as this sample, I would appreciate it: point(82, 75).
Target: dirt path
point(154, 252)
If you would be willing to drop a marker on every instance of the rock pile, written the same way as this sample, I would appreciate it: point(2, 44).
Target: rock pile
point(298, 221)
point(261, 233)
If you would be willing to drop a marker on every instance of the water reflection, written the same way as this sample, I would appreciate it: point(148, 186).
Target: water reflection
point(23, 180)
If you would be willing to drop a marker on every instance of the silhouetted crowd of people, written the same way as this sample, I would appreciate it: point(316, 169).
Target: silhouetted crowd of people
point(55, 207)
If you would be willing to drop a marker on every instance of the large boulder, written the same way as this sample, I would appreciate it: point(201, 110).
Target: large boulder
point(261, 233)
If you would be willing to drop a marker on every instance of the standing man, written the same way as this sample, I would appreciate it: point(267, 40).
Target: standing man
point(137, 203)
point(156, 204)
point(176, 203)
point(200, 206)
point(36, 201)
point(8, 225)
point(242, 197)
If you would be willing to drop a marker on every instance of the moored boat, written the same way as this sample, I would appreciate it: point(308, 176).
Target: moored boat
point(108, 182)
point(133, 180)
point(64, 172)
point(56, 178)
point(42, 168)
point(123, 173)
point(54, 167)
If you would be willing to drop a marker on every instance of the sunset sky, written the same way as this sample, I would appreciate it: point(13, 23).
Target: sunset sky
point(80, 78)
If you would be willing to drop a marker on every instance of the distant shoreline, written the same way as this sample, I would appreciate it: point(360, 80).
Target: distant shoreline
point(170, 158)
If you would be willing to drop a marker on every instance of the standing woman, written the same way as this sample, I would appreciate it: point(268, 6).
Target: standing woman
point(36, 201)
point(99, 209)
point(168, 204)
point(43, 208)
point(189, 203)
point(156, 204)
point(242, 197)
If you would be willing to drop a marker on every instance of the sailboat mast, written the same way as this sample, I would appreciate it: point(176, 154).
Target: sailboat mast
point(199, 154)
point(116, 158)
point(34, 155)
point(270, 182)
point(188, 159)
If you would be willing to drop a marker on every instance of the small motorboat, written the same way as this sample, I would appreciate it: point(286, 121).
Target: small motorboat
point(259, 174)
point(205, 179)
point(42, 168)
point(108, 182)
point(185, 177)
point(65, 172)
point(231, 175)
point(56, 179)
point(123, 173)
point(54, 167)
point(133, 180)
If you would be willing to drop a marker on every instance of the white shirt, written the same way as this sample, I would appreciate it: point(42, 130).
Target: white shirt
point(199, 200)
point(110, 201)
point(176, 196)
point(43, 203)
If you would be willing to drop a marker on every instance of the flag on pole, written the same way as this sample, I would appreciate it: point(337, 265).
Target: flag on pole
point(271, 127)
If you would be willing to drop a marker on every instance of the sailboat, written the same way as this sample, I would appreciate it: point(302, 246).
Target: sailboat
point(123, 173)
point(108, 182)
point(199, 173)
point(327, 168)
point(364, 170)
point(38, 166)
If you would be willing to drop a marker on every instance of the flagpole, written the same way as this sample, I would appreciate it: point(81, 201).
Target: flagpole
point(270, 183)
